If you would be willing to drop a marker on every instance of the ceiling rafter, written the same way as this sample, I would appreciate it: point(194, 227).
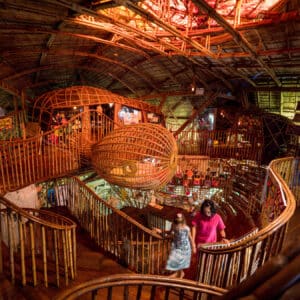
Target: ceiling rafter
point(152, 18)
point(287, 17)
point(105, 18)
point(208, 70)
point(219, 76)
point(121, 81)
point(260, 53)
point(52, 32)
point(161, 66)
point(150, 42)
point(166, 94)
point(83, 54)
point(48, 46)
point(98, 16)
point(238, 38)
point(209, 98)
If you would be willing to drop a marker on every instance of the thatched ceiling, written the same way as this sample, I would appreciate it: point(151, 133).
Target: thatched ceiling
point(138, 48)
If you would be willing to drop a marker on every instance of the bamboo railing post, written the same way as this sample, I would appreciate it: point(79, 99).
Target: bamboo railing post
point(10, 245)
point(74, 251)
point(69, 239)
point(22, 248)
point(32, 246)
point(55, 242)
point(44, 256)
point(65, 256)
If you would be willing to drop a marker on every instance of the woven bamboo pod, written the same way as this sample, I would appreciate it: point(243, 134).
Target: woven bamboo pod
point(140, 156)
point(85, 96)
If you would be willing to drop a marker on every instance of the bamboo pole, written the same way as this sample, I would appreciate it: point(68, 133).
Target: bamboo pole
point(71, 254)
point(55, 242)
point(65, 257)
point(44, 245)
point(32, 245)
point(11, 246)
point(22, 246)
point(74, 251)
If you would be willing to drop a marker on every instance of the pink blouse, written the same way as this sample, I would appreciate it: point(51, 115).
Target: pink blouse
point(207, 228)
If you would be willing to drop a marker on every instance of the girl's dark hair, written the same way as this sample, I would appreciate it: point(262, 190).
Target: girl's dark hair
point(208, 203)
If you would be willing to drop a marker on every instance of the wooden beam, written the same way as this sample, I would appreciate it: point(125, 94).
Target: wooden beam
point(281, 18)
point(162, 24)
point(83, 54)
point(122, 82)
point(238, 38)
point(209, 99)
point(54, 32)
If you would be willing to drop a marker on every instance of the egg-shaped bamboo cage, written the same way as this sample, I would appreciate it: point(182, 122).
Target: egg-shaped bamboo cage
point(142, 156)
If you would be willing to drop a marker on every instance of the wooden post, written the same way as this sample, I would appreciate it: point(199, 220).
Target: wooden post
point(44, 247)
point(22, 248)
point(32, 246)
point(22, 119)
point(55, 241)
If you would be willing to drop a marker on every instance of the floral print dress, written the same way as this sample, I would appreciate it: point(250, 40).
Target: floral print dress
point(180, 255)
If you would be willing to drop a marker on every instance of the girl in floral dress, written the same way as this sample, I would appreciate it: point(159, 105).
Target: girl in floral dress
point(181, 248)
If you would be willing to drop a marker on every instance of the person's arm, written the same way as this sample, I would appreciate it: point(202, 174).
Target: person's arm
point(192, 241)
point(193, 234)
point(223, 236)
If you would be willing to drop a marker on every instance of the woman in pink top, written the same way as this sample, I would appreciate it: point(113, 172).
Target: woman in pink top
point(206, 225)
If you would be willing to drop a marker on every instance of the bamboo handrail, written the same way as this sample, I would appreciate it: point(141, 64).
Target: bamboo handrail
point(22, 163)
point(140, 248)
point(31, 238)
point(221, 144)
point(245, 257)
point(159, 286)
point(51, 154)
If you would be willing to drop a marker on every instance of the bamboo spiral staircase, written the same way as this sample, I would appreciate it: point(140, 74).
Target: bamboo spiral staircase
point(36, 238)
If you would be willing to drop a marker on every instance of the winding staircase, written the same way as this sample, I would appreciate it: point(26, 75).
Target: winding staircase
point(39, 242)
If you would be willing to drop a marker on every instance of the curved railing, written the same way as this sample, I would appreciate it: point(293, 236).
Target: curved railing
point(134, 245)
point(229, 143)
point(37, 246)
point(228, 265)
point(128, 286)
point(55, 153)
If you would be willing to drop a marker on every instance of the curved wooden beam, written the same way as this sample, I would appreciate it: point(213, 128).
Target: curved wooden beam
point(83, 54)
point(35, 29)
point(238, 38)
point(162, 24)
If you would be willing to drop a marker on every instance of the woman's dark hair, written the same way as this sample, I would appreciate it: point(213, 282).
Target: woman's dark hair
point(208, 203)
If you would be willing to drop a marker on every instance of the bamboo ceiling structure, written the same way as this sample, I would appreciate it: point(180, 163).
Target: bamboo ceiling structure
point(152, 50)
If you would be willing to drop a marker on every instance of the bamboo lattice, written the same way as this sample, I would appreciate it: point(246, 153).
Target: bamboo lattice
point(85, 96)
point(138, 156)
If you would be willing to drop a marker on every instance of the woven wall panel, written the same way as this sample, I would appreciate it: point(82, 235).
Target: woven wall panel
point(140, 156)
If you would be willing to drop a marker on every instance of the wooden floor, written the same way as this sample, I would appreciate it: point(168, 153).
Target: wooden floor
point(90, 265)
